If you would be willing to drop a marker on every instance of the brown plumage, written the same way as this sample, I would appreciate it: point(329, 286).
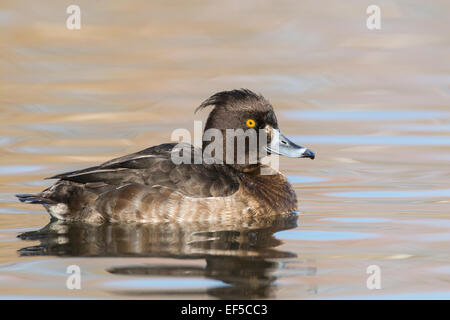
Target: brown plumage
point(148, 186)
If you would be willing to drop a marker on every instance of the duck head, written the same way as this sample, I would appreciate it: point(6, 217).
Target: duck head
point(238, 114)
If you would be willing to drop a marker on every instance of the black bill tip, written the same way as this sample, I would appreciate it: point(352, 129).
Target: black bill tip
point(308, 154)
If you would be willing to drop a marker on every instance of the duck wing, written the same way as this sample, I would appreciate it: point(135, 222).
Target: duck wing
point(120, 168)
point(154, 166)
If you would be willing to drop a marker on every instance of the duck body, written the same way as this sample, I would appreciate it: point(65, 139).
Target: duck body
point(148, 186)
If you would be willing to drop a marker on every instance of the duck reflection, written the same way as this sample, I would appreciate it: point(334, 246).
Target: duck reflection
point(240, 255)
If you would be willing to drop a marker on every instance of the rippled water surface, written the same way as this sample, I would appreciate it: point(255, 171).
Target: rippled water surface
point(373, 105)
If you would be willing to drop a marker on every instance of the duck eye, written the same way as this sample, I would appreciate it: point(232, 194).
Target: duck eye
point(250, 123)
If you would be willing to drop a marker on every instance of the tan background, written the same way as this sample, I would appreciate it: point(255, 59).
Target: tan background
point(373, 105)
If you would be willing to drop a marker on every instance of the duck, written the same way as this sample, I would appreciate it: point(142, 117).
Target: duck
point(226, 186)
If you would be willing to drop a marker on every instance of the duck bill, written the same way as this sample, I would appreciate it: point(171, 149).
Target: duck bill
point(283, 146)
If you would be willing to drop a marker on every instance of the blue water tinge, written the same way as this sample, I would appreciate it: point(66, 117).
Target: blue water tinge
point(439, 193)
point(412, 140)
point(303, 179)
point(163, 283)
point(357, 220)
point(364, 115)
point(316, 235)
point(18, 169)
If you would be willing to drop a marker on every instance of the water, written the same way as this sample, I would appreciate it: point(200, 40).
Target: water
point(373, 105)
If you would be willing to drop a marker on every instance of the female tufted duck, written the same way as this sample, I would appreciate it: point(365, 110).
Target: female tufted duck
point(148, 186)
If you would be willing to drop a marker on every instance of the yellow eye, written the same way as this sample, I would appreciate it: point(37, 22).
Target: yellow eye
point(250, 123)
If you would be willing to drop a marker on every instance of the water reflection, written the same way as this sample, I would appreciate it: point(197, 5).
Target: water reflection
point(240, 256)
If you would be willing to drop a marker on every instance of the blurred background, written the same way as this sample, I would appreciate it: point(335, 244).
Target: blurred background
point(373, 105)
